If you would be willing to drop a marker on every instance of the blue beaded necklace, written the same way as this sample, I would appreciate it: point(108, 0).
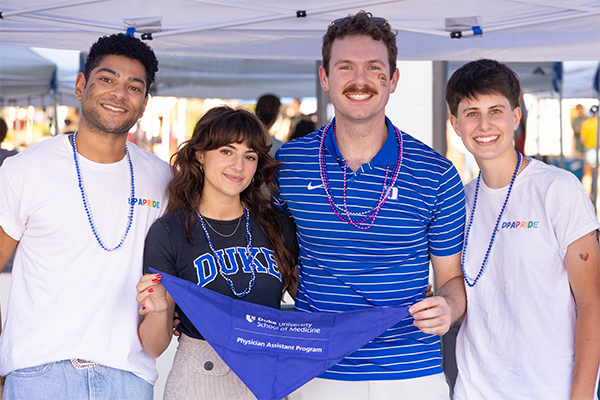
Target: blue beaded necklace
point(88, 210)
point(470, 281)
point(250, 254)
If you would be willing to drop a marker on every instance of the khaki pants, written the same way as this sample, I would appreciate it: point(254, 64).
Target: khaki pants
point(199, 373)
point(432, 387)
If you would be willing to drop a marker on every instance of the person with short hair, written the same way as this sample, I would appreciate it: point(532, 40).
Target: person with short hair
point(373, 206)
point(267, 110)
point(530, 257)
point(79, 207)
point(4, 154)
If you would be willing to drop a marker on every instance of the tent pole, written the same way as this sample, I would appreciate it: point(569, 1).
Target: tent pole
point(560, 118)
point(363, 5)
point(537, 139)
point(440, 109)
point(55, 106)
point(322, 100)
point(288, 15)
point(542, 20)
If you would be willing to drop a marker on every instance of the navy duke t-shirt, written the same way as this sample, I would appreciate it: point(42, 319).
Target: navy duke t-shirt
point(168, 250)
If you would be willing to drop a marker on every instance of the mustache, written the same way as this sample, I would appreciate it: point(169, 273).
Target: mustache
point(359, 89)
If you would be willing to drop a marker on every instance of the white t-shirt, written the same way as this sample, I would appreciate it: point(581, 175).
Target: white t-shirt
point(68, 297)
point(518, 338)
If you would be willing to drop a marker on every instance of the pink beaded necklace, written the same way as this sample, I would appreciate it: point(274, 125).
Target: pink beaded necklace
point(344, 214)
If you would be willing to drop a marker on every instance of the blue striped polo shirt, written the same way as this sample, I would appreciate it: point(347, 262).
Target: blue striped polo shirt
point(344, 268)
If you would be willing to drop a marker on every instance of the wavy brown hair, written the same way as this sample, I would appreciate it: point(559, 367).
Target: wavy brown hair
point(218, 127)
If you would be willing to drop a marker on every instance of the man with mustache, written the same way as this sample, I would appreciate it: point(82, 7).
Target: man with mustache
point(373, 207)
point(78, 207)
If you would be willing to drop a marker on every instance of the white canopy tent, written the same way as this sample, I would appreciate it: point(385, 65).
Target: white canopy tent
point(25, 77)
point(200, 77)
point(581, 78)
point(28, 78)
point(229, 78)
point(513, 30)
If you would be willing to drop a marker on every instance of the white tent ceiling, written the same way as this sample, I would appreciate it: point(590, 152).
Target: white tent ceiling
point(202, 77)
point(513, 30)
point(23, 74)
point(538, 77)
point(30, 78)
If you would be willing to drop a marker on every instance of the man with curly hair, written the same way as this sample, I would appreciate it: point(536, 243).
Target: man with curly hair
point(77, 208)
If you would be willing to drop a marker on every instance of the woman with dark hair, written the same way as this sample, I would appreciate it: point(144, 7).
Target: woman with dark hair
point(222, 233)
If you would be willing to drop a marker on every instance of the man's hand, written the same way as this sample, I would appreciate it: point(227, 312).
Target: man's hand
point(435, 315)
point(432, 315)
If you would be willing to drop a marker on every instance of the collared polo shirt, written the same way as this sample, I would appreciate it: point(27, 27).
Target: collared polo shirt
point(344, 267)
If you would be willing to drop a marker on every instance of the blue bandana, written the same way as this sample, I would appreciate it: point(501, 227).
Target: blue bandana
point(275, 352)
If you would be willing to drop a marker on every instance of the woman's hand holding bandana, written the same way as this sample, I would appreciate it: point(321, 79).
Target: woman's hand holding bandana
point(151, 294)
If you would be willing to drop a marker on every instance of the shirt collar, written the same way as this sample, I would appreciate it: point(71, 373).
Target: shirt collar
point(388, 155)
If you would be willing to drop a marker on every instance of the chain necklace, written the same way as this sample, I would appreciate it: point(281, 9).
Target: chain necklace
point(470, 281)
point(344, 214)
point(219, 233)
point(87, 207)
point(250, 254)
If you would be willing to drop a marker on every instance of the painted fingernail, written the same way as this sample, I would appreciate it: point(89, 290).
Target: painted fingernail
point(150, 290)
point(154, 280)
point(158, 276)
point(143, 308)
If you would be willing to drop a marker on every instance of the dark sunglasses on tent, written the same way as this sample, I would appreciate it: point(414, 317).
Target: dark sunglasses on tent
point(376, 20)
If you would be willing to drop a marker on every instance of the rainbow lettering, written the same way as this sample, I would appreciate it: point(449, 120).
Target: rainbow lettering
point(520, 224)
point(144, 202)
